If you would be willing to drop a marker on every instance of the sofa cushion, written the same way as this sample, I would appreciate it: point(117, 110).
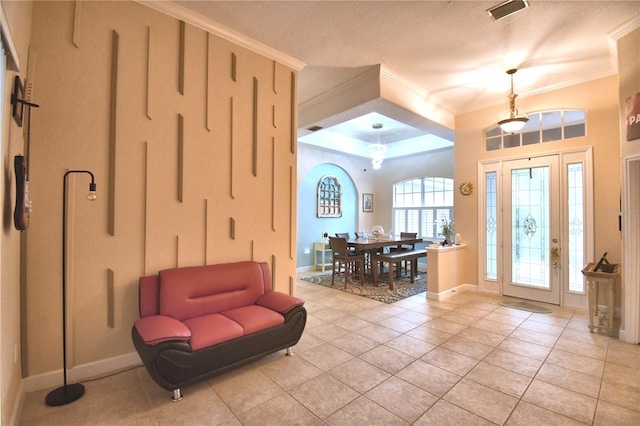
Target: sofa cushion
point(208, 330)
point(279, 302)
point(156, 329)
point(254, 318)
point(192, 292)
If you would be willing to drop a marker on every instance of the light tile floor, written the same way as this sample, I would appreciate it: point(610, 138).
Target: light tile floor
point(463, 361)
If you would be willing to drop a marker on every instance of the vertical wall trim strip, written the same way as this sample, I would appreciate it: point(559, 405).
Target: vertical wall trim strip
point(255, 127)
point(294, 107)
point(273, 183)
point(77, 12)
point(206, 230)
point(148, 89)
point(180, 158)
point(273, 271)
point(231, 142)
point(233, 66)
point(110, 298)
point(274, 78)
point(145, 235)
point(273, 117)
point(292, 243)
point(115, 41)
point(177, 249)
point(207, 94)
point(181, 59)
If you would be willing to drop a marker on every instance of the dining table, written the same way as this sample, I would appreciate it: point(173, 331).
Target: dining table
point(370, 245)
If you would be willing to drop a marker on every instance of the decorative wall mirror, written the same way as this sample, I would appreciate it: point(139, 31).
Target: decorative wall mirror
point(329, 196)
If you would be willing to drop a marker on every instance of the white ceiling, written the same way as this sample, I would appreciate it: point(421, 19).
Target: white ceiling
point(452, 51)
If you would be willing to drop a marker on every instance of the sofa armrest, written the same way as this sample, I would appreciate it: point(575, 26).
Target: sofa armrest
point(279, 302)
point(156, 329)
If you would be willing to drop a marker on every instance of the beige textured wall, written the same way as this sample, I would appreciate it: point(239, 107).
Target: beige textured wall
point(18, 17)
point(629, 78)
point(629, 84)
point(437, 163)
point(600, 100)
point(378, 182)
point(181, 179)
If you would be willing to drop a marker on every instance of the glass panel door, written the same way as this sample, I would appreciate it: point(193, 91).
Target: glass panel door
point(531, 228)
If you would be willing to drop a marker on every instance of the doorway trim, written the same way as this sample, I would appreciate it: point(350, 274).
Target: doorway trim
point(567, 299)
point(630, 330)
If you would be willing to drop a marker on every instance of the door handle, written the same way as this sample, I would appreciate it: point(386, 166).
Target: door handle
point(555, 257)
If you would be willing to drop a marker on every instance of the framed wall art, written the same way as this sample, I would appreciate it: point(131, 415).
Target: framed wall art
point(367, 202)
point(329, 197)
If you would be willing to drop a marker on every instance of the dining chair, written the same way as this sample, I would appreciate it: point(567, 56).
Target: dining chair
point(348, 261)
point(406, 247)
point(346, 236)
point(367, 253)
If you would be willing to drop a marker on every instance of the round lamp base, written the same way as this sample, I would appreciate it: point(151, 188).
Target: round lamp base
point(64, 395)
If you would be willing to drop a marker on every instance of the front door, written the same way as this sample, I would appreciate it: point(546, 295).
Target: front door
point(531, 229)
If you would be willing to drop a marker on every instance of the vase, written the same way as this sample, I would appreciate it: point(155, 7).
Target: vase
point(447, 240)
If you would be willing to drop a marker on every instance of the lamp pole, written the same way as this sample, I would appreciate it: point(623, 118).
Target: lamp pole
point(67, 393)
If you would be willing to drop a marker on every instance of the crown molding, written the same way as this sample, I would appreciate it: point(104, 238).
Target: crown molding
point(413, 87)
point(349, 88)
point(174, 10)
point(617, 33)
point(415, 98)
point(624, 29)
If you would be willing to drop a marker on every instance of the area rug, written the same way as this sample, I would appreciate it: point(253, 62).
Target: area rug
point(526, 306)
point(403, 287)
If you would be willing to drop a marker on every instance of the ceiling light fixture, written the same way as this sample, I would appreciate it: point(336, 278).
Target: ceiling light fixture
point(377, 150)
point(512, 120)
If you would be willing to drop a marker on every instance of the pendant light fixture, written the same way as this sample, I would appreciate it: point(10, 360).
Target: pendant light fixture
point(377, 150)
point(512, 120)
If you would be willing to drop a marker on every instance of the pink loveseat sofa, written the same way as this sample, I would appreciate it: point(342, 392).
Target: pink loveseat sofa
point(196, 322)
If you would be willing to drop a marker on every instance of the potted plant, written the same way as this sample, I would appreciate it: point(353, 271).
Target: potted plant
point(447, 230)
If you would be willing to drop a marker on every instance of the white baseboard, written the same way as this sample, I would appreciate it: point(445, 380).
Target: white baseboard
point(94, 369)
point(627, 337)
point(443, 295)
point(622, 335)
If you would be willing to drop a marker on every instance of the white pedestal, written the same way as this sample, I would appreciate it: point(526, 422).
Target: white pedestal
point(599, 318)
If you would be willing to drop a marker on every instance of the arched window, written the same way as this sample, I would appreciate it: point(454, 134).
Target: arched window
point(421, 204)
point(544, 126)
point(329, 197)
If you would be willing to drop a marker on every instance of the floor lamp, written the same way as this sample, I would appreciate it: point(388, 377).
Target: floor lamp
point(67, 393)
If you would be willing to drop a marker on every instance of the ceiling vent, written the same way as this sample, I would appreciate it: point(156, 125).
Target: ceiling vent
point(507, 8)
point(314, 128)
